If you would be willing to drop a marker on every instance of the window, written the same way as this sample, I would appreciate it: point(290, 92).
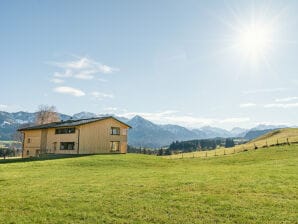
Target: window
point(67, 145)
point(115, 146)
point(65, 131)
point(28, 140)
point(27, 152)
point(115, 131)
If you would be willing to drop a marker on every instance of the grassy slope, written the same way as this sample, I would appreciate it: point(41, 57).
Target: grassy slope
point(250, 187)
point(280, 136)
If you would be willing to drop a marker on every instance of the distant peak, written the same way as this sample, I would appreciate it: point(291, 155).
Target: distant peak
point(138, 117)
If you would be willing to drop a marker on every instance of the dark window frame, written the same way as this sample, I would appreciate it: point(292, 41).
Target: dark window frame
point(116, 129)
point(67, 145)
point(59, 131)
point(29, 140)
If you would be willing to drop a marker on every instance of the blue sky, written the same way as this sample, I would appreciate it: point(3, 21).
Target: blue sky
point(191, 63)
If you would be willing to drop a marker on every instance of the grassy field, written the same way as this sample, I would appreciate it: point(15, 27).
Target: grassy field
point(282, 136)
point(250, 187)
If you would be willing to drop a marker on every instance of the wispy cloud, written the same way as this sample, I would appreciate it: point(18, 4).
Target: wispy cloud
point(69, 90)
point(270, 90)
point(3, 106)
point(172, 117)
point(101, 80)
point(281, 105)
point(111, 109)
point(101, 96)
point(287, 99)
point(82, 68)
point(245, 105)
point(57, 81)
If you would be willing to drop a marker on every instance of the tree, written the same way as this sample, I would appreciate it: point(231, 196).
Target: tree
point(46, 114)
point(4, 152)
point(160, 152)
point(229, 143)
point(168, 151)
point(18, 136)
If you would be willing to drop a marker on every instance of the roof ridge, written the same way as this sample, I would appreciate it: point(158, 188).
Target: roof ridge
point(70, 123)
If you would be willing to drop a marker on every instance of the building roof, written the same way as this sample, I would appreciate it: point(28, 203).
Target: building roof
point(70, 123)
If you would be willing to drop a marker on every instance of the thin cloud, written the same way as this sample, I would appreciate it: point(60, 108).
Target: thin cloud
point(82, 68)
point(281, 105)
point(264, 90)
point(172, 117)
point(66, 74)
point(57, 81)
point(101, 80)
point(246, 105)
point(111, 109)
point(287, 99)
point(3, 106)
point(101, 96)
point(69, 90)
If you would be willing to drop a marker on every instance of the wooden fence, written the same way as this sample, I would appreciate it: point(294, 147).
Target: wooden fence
point(236, 149)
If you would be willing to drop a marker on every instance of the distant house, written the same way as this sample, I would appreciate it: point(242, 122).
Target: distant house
point(84, 136)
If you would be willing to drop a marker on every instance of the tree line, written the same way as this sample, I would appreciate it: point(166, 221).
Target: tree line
point(201, 144)
point(184, 146)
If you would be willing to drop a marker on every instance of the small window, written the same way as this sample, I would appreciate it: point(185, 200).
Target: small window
point(28, 140)
point(115, 131)
point(27, 152)
point(65, 131)
point(115, 146)
point(67, 146)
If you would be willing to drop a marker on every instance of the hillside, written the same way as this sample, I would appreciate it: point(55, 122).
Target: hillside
point(279, 136)
point(273, 138)
point(252, 187)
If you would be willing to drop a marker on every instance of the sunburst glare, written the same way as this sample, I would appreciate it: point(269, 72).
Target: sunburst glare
point(255, 41)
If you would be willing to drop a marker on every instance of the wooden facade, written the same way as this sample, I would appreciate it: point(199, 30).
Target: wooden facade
point(107, 135)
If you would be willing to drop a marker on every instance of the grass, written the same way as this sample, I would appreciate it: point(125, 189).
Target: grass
point(281, 137)
point(250, 187)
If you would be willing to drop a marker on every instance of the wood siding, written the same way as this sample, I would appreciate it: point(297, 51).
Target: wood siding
point(91, 138)
point(96, 137)
point(32, 141)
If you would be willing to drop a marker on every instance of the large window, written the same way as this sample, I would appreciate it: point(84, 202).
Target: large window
point(115, 131)
point(65, 131)
point(67, 145)
point(115, 146)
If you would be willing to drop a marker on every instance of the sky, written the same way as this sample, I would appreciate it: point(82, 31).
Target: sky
point(193, 63)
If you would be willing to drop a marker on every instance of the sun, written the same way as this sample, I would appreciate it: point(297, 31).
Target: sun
point(255, 40)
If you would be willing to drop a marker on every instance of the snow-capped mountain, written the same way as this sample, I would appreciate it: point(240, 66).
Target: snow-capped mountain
point(143, 133)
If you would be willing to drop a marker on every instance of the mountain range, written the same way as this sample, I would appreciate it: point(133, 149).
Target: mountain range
point(144, 133)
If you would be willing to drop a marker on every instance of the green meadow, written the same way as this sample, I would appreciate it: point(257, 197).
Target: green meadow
point(258, 186)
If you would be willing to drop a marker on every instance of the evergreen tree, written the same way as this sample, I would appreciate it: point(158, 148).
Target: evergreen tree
point(229, 143)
